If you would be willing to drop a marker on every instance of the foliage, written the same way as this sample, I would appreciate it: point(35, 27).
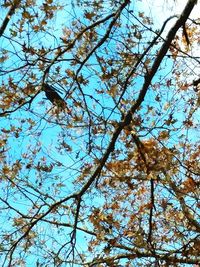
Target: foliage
point(111, 178)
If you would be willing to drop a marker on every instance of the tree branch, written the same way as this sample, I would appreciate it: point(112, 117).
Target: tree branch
point(8, 16)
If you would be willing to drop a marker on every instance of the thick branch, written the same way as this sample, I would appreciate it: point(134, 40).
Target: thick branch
point(185, 209)
point(148, 78)
point(8, 16)
point(132, 256)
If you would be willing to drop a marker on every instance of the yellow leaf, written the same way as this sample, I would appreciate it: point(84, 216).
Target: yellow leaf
point(151, 143)
point(43, 22)
point(6, 170)
point(70, 73)
point(113, 90)
point(163, 135)
point(26, 15)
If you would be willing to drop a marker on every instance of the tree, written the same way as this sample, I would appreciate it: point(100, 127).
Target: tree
point(113, 178)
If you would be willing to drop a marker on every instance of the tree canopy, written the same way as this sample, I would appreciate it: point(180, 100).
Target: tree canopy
point(100, 151)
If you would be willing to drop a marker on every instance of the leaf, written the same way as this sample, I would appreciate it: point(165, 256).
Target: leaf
point(90, 15)
point(164, 135)
point(36, 28)
point(113, 90)
point(184, 86)
point(141, 14)
point(189, 185)
point(3, 58)
point(6, 170)
point(26, 15)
